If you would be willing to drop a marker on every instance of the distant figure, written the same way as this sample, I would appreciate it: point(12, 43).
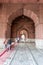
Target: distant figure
point(18, 39)
point(9, 43)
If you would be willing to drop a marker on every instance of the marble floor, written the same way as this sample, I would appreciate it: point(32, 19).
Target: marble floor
point(25, 54)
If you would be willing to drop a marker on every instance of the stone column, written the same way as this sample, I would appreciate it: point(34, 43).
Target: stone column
point(39, 36)
point(2, 30)
point(2, 33)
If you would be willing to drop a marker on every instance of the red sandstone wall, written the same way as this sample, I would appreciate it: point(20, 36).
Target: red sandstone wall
point(21, 1)
point(12, 10)
point(8, 12)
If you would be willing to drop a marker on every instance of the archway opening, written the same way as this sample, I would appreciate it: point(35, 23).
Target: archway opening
point(23, 27)
point(23, 36)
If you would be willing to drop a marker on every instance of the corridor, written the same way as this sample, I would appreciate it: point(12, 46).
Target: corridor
point(22, 22)
point(25, 54)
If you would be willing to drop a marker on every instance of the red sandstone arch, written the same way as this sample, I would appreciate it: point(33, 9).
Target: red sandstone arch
point(26, 12)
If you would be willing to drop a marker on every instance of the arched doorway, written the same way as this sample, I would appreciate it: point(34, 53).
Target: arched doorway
point(23, 34)
point(23, 28)
point(30, 14)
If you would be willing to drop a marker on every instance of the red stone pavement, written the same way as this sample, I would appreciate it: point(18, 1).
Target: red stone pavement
point(4, 55)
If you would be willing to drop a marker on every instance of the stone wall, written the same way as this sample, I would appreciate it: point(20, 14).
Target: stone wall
point(21, 1)
point(9, 12)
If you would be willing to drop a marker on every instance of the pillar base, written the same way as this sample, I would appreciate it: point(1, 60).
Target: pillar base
point(39, 43)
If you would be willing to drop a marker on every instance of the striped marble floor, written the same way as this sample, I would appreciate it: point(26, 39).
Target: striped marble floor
point(23, 54)
point(27, 54)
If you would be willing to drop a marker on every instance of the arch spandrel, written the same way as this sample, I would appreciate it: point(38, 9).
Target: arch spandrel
point(25, 12)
